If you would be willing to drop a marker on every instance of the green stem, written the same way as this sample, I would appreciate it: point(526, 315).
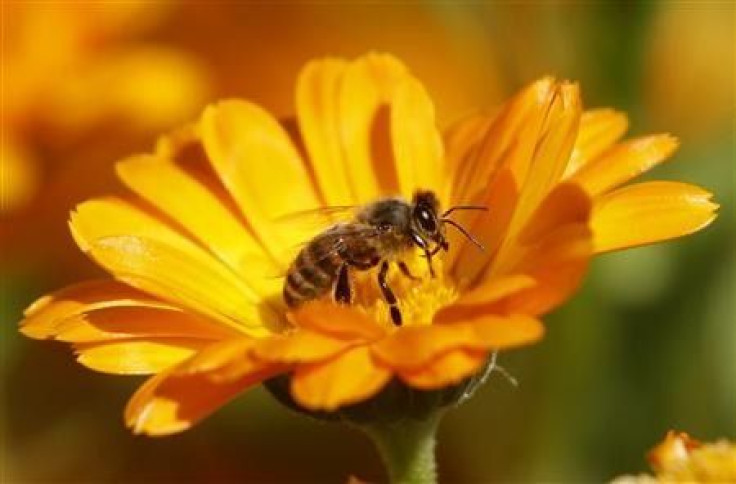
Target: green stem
point(407, 449)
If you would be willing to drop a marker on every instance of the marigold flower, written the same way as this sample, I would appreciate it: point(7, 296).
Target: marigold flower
point(194, 251)
point(679, 458)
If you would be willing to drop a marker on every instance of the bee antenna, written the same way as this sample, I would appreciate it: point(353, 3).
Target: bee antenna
point(464, 207)
point(464, 232)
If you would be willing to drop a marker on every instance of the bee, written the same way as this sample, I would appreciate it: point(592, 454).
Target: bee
point(379, 234)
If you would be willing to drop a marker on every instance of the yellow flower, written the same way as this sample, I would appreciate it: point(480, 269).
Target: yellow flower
point(194, 251)
point(679, 458)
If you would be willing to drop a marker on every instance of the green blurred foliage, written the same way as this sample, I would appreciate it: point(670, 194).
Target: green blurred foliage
point(648, 344)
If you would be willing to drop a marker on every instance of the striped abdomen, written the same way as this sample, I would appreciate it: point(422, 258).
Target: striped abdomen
point(313, 272)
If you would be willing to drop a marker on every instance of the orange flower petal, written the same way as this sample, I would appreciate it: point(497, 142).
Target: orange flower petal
point(181, 278)
point(551, 154)
point(448, 369)
point(317, 95)
point(649, 212)
point(465, 260)
point(137, 357)
point(229, 360)
point(339, 321)
point(566, 204)
point(624, 162)
point(167, 403)
point(599, 129)
point(417, 145)
point(461, 141)
point(416, 346)
point(299, 346)
point(45, 314)
point(367, 87)
point(257, 162)
point(485, 294)
point(348, 378)
point(558, 264)
point(119, 323)
point(178, 194)
point(511, 137)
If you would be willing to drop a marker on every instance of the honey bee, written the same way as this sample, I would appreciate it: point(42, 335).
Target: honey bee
point(379, 234)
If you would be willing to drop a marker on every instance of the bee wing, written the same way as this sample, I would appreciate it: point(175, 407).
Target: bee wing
point(318, 218)
point(338, 233)
point(312, 222)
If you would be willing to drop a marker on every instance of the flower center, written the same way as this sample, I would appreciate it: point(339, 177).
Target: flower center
point(418, 299)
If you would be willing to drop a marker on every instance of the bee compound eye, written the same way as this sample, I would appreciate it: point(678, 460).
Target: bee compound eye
point(426, 220)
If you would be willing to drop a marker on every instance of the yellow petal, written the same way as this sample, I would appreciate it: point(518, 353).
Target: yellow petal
point(257, 162)
point(105, 217)
point(317, 96)
point(137, 357)
point(168, 403)
point(624, 162)
point(348, 378)
point(128, 229)
point(45, 314)
point(413, 347)
point(599, 129)
point(448, 369)
point(178, 277)
point(368, 86)
point(176, 192)
point(417, 145)
point(649, 212)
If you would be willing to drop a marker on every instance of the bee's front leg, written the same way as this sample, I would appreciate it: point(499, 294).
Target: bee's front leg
point(388, 294)
point(428, 255)
point(405, 270)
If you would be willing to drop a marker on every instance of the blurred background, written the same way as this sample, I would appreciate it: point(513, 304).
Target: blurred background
point(648, 344)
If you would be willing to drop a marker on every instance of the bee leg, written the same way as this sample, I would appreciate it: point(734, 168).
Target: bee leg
point(342, 286)
point(405, 270)
point(428, 256)
point(389, 295)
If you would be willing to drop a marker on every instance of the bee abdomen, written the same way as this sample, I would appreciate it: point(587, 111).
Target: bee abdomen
point(311, 275)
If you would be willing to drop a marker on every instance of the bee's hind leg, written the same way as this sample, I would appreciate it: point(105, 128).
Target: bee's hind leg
point(389, 295)
point(343, 294)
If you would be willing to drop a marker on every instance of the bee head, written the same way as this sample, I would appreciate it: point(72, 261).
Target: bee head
point(427, 226)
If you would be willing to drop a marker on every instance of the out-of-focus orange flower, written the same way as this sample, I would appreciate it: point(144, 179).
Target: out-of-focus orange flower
point(679, 458)
point(76, 86)
point(193, 253)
